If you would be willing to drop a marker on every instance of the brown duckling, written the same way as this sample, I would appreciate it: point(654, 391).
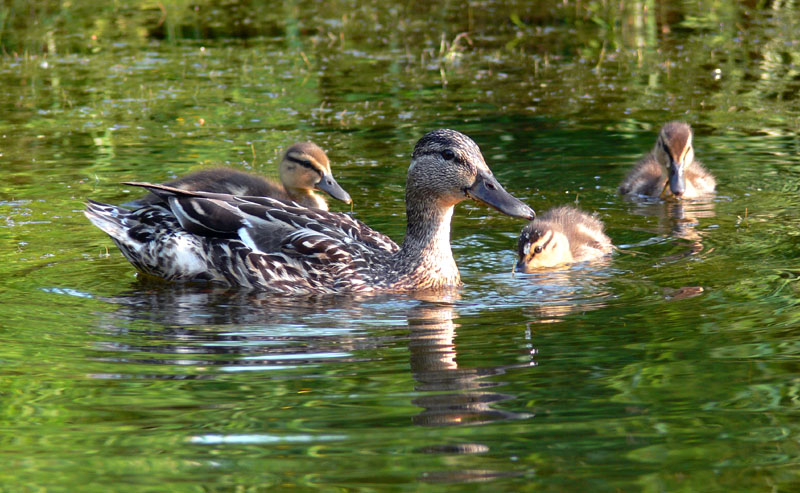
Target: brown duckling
point(561, 236)
point(304, 168)
point(670, 168)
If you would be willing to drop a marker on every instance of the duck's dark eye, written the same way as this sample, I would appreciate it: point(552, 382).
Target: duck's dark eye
point(537, 249)
point(448, 154)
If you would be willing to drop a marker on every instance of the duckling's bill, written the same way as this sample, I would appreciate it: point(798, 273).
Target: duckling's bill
point(677, 179)
point(329, 185)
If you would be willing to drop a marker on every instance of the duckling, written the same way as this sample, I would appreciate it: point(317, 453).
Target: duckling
point(561, 236)
point(304, 167)
point(670, 168)
point(260, 243)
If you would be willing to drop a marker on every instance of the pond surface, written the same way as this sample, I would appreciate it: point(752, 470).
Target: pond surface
point(673, 366)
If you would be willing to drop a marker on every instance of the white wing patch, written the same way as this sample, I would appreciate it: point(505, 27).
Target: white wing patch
point(244, 235)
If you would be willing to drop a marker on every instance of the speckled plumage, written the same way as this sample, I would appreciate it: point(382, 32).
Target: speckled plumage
point(561, 236)
point(673, 151)
point(303, 168)
point(266, 244)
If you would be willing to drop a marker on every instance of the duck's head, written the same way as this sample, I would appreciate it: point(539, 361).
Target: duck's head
point(448, 167)
point(306, 167)
point(540, 245)
point(675, 153)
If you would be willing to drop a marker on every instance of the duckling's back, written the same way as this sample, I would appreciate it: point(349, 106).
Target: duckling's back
point(220, 180)
point(644, 179)
point(585, 231)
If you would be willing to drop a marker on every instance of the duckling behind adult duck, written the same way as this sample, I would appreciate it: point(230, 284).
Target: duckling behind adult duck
point(265, 244)
point(304, 168)
point(670, 168)
point(561, 236)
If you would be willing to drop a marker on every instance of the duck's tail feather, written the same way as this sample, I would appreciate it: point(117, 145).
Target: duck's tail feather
point(152, 240)
point(112, 219)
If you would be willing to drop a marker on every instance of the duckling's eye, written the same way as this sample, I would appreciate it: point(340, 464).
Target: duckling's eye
point(537, 249)
point(448, 154)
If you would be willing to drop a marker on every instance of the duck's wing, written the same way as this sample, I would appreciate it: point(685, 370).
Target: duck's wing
point(262, 219)
point(303, 262)
point(287, 248)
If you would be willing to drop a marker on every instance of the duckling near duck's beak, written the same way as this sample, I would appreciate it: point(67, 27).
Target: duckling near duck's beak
point(487, 190)
point(328, 184)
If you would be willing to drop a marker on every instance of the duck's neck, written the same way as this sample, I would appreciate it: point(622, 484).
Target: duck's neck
point(306, 197)
point(426, 259)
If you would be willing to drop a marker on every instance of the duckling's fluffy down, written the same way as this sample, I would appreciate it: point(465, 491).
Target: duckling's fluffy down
point(577, 236)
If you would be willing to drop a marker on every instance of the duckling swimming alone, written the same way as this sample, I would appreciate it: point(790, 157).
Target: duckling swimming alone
point(671, 162)
point(304, 168)
point(265, 244)
point(561, 236)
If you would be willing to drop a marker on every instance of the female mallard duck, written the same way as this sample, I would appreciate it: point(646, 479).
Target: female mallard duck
point(671, 162)
point(304, 168)
point(265, 244)
point(560, 236)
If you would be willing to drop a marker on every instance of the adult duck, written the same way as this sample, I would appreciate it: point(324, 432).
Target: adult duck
point(561, 236)
point(266, 244)
point(670, 168)
point(303, 169)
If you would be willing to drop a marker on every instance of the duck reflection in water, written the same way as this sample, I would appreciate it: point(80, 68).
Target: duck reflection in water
point(467, 398)
point(215, 327)
point(195, 326)
point(193, 334)
point(550, 295)
point(678, 220)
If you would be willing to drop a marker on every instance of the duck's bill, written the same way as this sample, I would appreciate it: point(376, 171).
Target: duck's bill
point(487, 190)
point(677, 180)
point(328, 184)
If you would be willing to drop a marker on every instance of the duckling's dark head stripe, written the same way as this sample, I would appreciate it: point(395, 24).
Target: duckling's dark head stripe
point(666, 149)
point(549, 239)
point(306, 163)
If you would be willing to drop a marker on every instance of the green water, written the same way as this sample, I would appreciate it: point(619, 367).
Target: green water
point(673, 368)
